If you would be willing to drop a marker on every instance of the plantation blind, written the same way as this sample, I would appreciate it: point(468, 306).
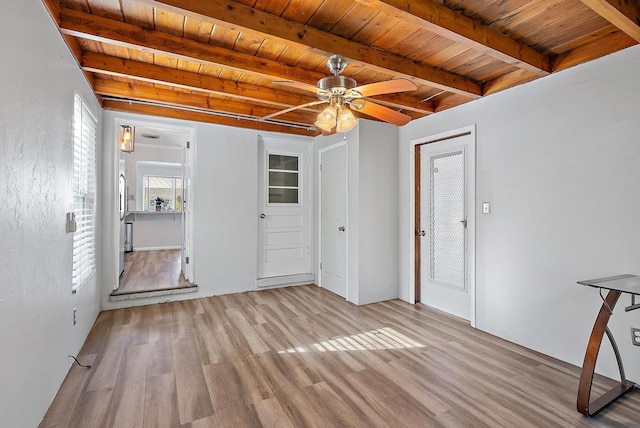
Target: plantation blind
point(84, 194)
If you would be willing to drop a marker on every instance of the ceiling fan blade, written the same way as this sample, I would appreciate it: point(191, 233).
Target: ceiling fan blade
point(386, 87)
point(304, 86)
point(381, 112)
point(278, 113)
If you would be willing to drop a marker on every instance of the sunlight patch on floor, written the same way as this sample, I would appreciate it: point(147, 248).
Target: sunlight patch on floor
point(379, 339)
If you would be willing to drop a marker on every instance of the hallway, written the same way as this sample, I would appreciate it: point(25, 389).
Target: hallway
point(155, 270)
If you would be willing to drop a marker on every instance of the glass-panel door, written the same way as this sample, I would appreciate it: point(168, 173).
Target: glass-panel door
point(283, 179)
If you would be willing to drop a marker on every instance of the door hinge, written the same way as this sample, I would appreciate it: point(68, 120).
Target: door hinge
point(186, 260)
point(320, 266)
point(188, 145)
point(320, 167)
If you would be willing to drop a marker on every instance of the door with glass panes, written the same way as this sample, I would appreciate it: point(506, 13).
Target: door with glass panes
point(284, 247)
point(444, 204)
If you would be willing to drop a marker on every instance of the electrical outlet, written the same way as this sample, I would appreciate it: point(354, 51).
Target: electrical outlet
point(635, 336)
point(75, 318)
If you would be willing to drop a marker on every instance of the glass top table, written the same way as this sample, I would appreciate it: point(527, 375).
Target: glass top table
point(623, 283)
point(617, 285)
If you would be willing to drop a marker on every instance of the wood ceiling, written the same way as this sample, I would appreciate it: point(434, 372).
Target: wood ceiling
point(216, 61)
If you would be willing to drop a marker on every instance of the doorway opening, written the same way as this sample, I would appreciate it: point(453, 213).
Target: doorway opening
point(154, 211)
point(444, 222)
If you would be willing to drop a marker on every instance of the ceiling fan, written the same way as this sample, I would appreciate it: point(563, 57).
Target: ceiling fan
point(343, 95)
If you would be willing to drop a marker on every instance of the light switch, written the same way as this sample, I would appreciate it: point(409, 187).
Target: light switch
point(486, 208)
point(71, 222)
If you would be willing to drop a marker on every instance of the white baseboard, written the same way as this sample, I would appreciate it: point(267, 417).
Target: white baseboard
point(157, 248)
point(299, 279)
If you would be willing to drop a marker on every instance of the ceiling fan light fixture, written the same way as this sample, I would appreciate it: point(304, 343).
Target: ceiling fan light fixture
point(346, 121)
point(326, 118)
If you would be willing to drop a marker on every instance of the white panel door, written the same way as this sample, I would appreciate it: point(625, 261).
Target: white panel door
point(333, 217)
point(444, 200)
point(284, 247)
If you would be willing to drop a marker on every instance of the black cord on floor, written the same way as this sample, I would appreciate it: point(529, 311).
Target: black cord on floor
point(88, 366)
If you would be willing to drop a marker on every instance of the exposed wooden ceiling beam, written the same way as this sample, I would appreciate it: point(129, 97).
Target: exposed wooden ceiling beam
point(452, 25)
point(616, 41)
point(92, 27)
point(227, 12)
point(200, 102)
point(104, 30)
point(507, 81)
point(121, 67)
point(621, 13)
point(194, 116)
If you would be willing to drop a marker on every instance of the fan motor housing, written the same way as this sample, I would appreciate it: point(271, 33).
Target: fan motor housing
point(337, 85)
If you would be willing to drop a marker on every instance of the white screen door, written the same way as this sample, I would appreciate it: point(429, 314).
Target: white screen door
point(333, 210)
point(284, 247)
point(444, 201)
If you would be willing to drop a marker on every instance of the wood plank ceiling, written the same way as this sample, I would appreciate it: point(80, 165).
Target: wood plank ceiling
point(219, 61)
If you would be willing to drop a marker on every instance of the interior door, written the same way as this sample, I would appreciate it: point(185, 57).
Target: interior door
point(444, 267)
point(284, 227)
point(186, 212)
point(333, 217)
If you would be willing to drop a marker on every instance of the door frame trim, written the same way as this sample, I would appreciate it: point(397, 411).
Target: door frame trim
point(112, 151)
point(414, 221)
point(346, 212)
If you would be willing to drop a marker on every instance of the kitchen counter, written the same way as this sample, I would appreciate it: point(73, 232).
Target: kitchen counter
point(156, 230)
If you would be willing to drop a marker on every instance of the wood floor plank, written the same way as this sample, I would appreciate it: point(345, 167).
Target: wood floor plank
point(69, 393)
point(256, 345)
point(194, 401)
point(127, 400)
point(160, 357)
point(92, 409)
point(394, 399)
point(161, 402)
point(208, 422)
point(303, 357)
point(229, 395)
point(105, 370)
point(270, 414)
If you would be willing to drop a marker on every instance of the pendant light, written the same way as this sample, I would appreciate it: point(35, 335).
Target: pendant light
point(126, 138)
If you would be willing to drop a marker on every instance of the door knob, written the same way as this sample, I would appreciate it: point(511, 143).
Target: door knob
point(262, 215)
point(422, 233)
point(341, 228)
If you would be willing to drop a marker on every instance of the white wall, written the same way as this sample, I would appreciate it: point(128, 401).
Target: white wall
point(378, 212)
point(559, 160)
point(39, 79)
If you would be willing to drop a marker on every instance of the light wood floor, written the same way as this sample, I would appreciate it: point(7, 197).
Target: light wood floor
point(151, 271)
point(302, 357)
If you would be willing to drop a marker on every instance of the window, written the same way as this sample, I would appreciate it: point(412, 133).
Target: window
point(163, 192)
point(84, 194)
point(283, 179)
